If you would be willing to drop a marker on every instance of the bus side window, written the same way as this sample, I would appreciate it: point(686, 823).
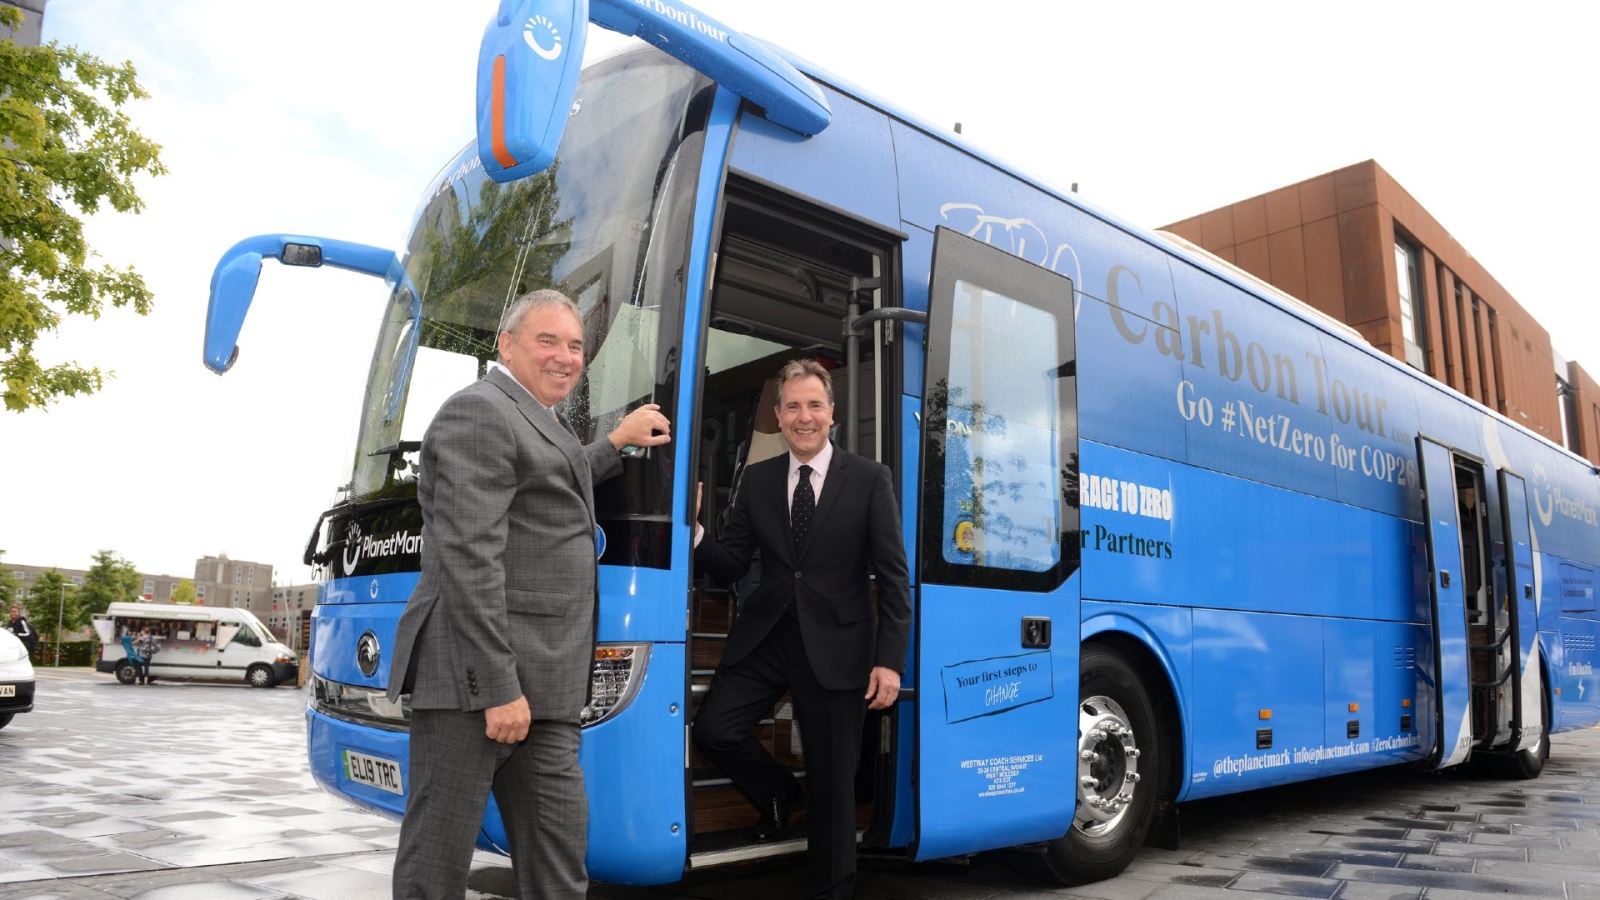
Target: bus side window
point(999, 504)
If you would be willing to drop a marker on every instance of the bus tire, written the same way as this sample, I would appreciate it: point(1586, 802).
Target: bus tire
point(1525, 765)
point(260, 676)
point(1120, 770)
point(125, 672)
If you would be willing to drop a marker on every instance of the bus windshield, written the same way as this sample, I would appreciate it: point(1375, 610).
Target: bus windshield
point(606, 224)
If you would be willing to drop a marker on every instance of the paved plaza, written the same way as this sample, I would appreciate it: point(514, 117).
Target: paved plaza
point(201, 792)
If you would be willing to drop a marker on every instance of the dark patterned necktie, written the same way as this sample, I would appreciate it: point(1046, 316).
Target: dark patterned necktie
point(804, 506)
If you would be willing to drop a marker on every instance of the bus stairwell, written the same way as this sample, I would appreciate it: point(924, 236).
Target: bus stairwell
point(1490, 651)
point(785, 275)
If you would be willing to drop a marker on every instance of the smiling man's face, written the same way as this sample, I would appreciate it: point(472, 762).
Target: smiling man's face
point(545, 352)
point(804, 415)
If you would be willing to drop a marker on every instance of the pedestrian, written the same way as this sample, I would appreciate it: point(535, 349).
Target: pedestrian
point(822, 519)
point(23, 631)
point(146, 646)
point(496, 643)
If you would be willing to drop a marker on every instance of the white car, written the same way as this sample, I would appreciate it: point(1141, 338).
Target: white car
point(16, 677)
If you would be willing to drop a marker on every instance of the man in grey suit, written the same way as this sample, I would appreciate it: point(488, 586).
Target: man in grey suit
point(496, 644)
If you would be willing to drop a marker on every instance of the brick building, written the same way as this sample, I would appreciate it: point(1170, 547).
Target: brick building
point(154, 588)
point(1355, 245)
point(288, 603)
point(32, 21)
point(220, 581)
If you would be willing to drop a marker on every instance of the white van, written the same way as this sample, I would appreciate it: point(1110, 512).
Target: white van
point(213, 642)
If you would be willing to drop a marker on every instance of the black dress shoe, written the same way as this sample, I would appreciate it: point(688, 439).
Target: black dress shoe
point(844, 889)
point(775, 818)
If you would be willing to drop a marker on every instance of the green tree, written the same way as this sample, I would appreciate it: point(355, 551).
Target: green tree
point(68, 149)
point(110, 580)
point(51, 598)
point(8, 586)
point(184, 592)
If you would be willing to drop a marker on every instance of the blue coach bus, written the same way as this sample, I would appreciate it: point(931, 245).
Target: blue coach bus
point(1174, 534)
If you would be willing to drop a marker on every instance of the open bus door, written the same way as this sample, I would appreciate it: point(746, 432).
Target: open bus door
point(997, 599)
point(1527, 718)
point(1445, 724)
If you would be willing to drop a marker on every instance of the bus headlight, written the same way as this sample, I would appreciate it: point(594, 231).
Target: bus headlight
point(617, 673)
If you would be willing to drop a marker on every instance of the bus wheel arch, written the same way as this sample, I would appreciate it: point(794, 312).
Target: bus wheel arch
point(1129, 751)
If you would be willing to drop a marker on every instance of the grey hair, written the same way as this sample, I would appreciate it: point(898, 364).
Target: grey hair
point(804, 368)
point(520, 307)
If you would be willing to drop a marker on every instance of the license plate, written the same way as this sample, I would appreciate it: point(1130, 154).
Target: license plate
point(374, 771)
point(8, 690)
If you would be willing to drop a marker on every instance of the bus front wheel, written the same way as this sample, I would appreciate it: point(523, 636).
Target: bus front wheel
point(1119, 766)
point(260, 676)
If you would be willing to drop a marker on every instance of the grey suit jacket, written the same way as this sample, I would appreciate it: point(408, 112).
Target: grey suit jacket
point(506, 602)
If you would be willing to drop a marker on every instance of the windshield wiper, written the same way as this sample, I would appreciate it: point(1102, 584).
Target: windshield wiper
point(395, 450)
point(397, 457)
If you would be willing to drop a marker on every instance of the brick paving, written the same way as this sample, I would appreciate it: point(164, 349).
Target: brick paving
point(200, 792)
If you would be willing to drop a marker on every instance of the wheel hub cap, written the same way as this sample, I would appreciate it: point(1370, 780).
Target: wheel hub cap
point(1108, 765)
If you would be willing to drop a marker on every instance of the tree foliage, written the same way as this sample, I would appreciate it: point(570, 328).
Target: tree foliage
point(110, 580)
point(184, 592)
point(68, 150)
point(462, 264)
point(8, 585)
point(51, 598)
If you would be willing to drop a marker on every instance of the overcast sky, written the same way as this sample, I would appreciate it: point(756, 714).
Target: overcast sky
point(328, 118)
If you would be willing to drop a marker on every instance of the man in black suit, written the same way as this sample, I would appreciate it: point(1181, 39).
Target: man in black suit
point(821, 517)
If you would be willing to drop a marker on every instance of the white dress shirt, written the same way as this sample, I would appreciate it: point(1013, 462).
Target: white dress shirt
point(819, 473)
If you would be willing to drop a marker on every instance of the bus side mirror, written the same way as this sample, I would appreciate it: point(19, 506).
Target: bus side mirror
point(528, 66)
point(234, 280)
point(736, 61)
point(233, 286)
point(532, 54)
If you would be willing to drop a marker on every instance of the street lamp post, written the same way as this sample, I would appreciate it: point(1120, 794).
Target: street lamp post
point(61, 609)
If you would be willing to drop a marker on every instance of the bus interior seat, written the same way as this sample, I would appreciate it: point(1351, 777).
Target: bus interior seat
point(763, 443)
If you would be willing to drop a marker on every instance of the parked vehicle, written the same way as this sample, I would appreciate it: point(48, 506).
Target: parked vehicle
point(16, 678)
point(215, 643)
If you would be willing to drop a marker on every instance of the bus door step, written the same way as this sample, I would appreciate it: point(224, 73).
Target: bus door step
point(710, 781)
point(731, 847)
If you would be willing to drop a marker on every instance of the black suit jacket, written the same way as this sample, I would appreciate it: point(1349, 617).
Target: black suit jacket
point(857, 525)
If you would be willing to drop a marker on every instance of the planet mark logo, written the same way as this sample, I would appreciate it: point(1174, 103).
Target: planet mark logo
point(536, 32)
point(358, 547)
point(1543, 496)
point(352, 547)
